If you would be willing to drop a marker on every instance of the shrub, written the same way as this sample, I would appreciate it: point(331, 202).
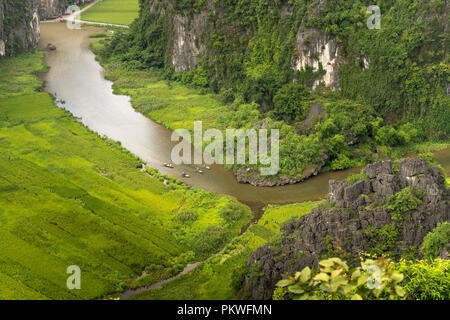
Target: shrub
point(388, 136)
point(425, 280)
point(436, 241)
point(342, 162)
point(406, 200)
point(381, 240)
point(231, 212)
point(238, 276)
point(254, 273)
point(291, 102)
point(209, 240)
point(336, 144)
point(375, 279)
point(356, 177)
point(186, 216)
point(200, 78)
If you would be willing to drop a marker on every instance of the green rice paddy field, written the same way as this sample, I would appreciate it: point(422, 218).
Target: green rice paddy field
point(215, 278)
point(70, 197)
point(113, 11)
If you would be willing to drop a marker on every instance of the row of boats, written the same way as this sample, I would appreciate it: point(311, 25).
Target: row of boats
point(184, 174)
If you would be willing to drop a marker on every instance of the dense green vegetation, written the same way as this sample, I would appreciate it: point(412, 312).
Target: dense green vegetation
point(70, 197)
point(425, 280)
point(437, 241)
point(335, 280)
point(400, 203)
point(113, 11)
point(177, 106)
point(221, 276)
point(389, 108)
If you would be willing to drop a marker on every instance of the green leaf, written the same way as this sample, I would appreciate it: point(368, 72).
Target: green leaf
point(348, 288)
point(336, 273)
point(337, 282)
point(322, 277)
point(337, 260)
point(399, 291)
point(295, 289)
point(305, 275)
point(362, 279)
point(356, 274)
point(356, 297)
point(397, 277)
point(284, 283)
point(304, 296)
point(326, 263)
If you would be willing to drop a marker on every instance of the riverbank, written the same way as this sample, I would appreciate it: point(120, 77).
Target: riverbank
point(70, 197)
point(348, 138)
point(114, 116)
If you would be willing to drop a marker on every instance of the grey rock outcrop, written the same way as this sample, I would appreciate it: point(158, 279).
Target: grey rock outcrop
point(19, 26)
point(50, 9)
point(343, 222)
point(51, 47)
point(189, 39)
point(316, 49)
point(20, 22)
point(188, 48)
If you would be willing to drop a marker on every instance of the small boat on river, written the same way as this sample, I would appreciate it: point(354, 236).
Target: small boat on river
point(185, 175)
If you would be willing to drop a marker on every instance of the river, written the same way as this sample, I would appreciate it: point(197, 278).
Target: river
point(78, 79)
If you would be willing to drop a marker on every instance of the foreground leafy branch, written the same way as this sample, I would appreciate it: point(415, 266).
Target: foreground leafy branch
point(336, 281)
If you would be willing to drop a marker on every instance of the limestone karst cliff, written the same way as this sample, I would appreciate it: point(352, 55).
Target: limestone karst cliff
point(20, 21)
point(53, 8)
point(19, 26)
point(357, 219)
point(190, 34)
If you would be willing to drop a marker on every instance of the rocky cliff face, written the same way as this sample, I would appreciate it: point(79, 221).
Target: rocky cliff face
point(19, 26)
point(348, 223)
point(319, 51)
point(186, 44)
point(190, 35)
point(188, 48)
point(19, 22)
point(53, 8)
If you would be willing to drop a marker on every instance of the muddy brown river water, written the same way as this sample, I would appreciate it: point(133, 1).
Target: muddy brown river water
point(77, 78)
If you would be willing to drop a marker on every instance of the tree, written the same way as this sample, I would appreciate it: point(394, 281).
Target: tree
point(291, 102)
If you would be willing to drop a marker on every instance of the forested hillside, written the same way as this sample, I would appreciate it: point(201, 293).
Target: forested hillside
point(377, 92)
